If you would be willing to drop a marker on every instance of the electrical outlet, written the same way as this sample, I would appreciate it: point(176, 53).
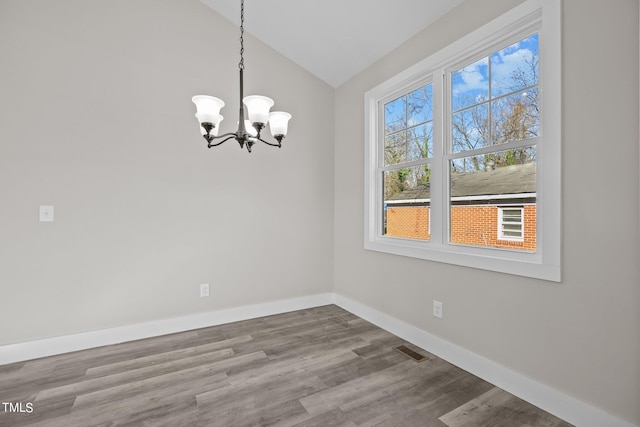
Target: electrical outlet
point(204, 290)
point(437, 309)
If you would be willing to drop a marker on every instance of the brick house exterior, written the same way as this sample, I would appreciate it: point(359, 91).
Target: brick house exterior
point(477, 199)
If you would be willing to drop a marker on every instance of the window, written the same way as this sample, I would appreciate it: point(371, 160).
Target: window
point(469, 138)
point(408, 147)
point(510, 224)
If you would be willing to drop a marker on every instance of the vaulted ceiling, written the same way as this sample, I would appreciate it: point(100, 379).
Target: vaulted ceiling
point(334, 39)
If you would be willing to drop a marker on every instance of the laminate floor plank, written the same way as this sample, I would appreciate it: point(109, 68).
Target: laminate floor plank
point(251, 413)
point(14, 367)
point(140, 408)
point(449, 394)
point(293, 368)
point(336, 396)
point(144, 361)
point(318, 367)
point(99, 383)
point(501, 409)
point(417, 392)
point(111, 353)
point(131, 389)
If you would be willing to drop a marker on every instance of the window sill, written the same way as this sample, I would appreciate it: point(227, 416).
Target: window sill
point(521, 263)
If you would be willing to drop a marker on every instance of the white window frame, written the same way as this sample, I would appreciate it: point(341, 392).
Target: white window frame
point(501, 223)
point(543, 17)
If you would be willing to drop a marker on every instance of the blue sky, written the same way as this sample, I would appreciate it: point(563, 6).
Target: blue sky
point(470, 84)
point(469, 87)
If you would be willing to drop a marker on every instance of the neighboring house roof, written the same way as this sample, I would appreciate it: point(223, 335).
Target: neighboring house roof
point(514, 179)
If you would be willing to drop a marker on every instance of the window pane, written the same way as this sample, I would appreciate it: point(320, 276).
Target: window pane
point(515, 67)
point(420, 142)
point(511, 215)
point(420, 106)
point(515, 117)
point(470, 85)
point(395, 115)
point(407, 197)
point(407, 140)
point(480, 186)
point(395, 148)
point(470, 129)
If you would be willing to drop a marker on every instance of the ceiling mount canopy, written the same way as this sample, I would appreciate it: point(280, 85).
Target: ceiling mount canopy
point(258, 112)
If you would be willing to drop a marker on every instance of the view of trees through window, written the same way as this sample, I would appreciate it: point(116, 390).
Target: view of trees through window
point(495, 101)
point(408, 130)
point(494, 122)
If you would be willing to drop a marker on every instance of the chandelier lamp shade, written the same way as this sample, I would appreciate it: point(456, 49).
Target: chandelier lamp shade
point(251, 124)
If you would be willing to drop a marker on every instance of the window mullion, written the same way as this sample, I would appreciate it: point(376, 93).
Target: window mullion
point(490, 107)
point(439, 178)
point(410, 164)
point(511, 145)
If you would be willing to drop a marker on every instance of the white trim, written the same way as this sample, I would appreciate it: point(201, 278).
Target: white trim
point(57, 345)
point(545, 397)
point(494, 197)
point(468, 198)
point(412, 201)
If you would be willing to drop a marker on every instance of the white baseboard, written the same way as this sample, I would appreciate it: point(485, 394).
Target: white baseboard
point(57, 345)
point(544, 397)
point(551, 400)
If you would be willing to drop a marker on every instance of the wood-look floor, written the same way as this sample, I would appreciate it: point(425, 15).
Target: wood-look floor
point(316, 367)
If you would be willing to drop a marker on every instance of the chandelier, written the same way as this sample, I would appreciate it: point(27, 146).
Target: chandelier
point(249, 131)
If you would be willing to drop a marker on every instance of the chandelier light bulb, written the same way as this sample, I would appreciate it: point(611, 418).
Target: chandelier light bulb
point(279, 122)
point(258, 107)
point(208, 108)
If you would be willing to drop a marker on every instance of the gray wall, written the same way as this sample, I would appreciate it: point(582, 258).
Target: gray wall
point(96, 119)
point(580, 336)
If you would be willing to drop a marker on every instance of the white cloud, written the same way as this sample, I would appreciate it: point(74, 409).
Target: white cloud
point(472, 77)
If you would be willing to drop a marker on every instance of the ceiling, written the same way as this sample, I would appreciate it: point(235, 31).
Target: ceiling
point(334, 39)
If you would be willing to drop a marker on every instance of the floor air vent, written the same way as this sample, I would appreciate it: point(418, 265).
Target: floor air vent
point(412, 354)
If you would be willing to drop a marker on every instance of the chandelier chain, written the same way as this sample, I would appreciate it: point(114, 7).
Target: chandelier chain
point(241, 64)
